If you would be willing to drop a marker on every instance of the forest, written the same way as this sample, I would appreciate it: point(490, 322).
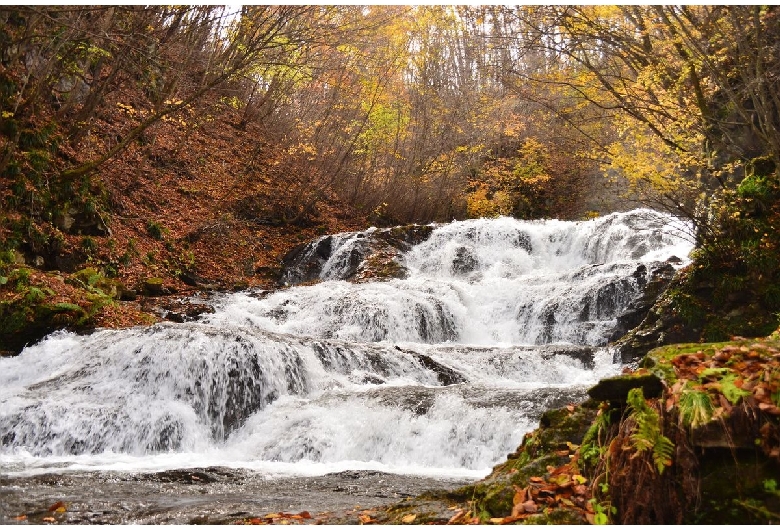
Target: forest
point(151, 152)
point(400, 114)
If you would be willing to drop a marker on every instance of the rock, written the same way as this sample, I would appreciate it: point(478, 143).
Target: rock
point(128, 295)
point(464, 261)
point(615, 389)
point(446, 376)
point(152, 287)
point(73, 221)
point(654, 283)
point(660, 324)
point(371, 255)
point(584, 354)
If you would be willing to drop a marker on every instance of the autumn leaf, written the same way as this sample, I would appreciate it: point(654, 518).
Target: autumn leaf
point(58, 506)
point(406, 519)
point(520, 495)
point(580, 489)
point(769, 408)
point(459, 516)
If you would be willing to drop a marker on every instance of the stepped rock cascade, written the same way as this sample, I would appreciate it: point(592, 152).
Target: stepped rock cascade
point(437, 371)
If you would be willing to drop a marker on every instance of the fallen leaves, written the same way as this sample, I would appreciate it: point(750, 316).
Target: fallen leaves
point(58, 507)
point(278, 518)
point(730, 374)
point(562, 487)
point(740, 379)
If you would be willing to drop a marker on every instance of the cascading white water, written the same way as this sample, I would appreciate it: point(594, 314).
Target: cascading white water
point(439, 373)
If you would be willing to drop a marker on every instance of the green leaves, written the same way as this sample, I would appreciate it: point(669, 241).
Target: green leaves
point(729, 389)
point(695, 408)
point(647, 434)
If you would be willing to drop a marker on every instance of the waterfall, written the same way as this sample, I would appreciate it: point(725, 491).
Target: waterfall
point(438, 372)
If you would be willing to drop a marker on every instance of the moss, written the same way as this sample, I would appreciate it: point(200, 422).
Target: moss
point(382, 266)
point(152, 286)
point(703, 482)
point(27, 320)
point(549, 445)
point(31, 314)
point(85, 277)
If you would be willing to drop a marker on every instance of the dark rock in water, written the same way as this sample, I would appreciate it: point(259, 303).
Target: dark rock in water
point(445, 375)
point(464, 261)
point(179, 311)
point(651, 322)
point(304, 262)
point(584, 354)
point(654, 282)
point(418, 400)
point(548, 325)
point(374, 255)
point(405, 237)
point(524, 241)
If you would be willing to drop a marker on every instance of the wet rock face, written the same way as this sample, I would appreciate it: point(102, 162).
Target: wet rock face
point(304, 263)
point(641, 327)
point(362, 256)
point(464, 262)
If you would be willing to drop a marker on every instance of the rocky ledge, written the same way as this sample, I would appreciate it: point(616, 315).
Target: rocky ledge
point(372, 255)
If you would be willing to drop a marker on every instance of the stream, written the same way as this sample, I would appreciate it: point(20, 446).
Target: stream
point(330, 395)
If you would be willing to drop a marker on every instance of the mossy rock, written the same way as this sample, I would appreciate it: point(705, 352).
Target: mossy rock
point(615, 389)
point(23, 322)
point(87, 277)
point(96, 282)
point(406, 236)
point(152, 287)
point(559, 430)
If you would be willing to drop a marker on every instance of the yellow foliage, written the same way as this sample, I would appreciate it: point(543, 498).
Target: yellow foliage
point(478, 204)
point(649, 164)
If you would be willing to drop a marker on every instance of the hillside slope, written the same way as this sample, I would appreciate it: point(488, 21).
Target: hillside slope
point(191, 206)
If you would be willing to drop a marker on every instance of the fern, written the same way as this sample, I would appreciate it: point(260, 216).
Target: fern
point(647, 434)
point(732, 392)
point(695, 408)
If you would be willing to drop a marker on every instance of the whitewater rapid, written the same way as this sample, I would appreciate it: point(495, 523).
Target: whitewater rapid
point(439, 373)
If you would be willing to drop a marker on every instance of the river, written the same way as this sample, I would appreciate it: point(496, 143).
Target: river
point(354, 392)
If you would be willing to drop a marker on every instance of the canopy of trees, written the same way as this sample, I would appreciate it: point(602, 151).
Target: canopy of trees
point(427, 112)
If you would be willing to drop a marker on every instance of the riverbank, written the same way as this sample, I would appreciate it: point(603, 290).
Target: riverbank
point(203, 496)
